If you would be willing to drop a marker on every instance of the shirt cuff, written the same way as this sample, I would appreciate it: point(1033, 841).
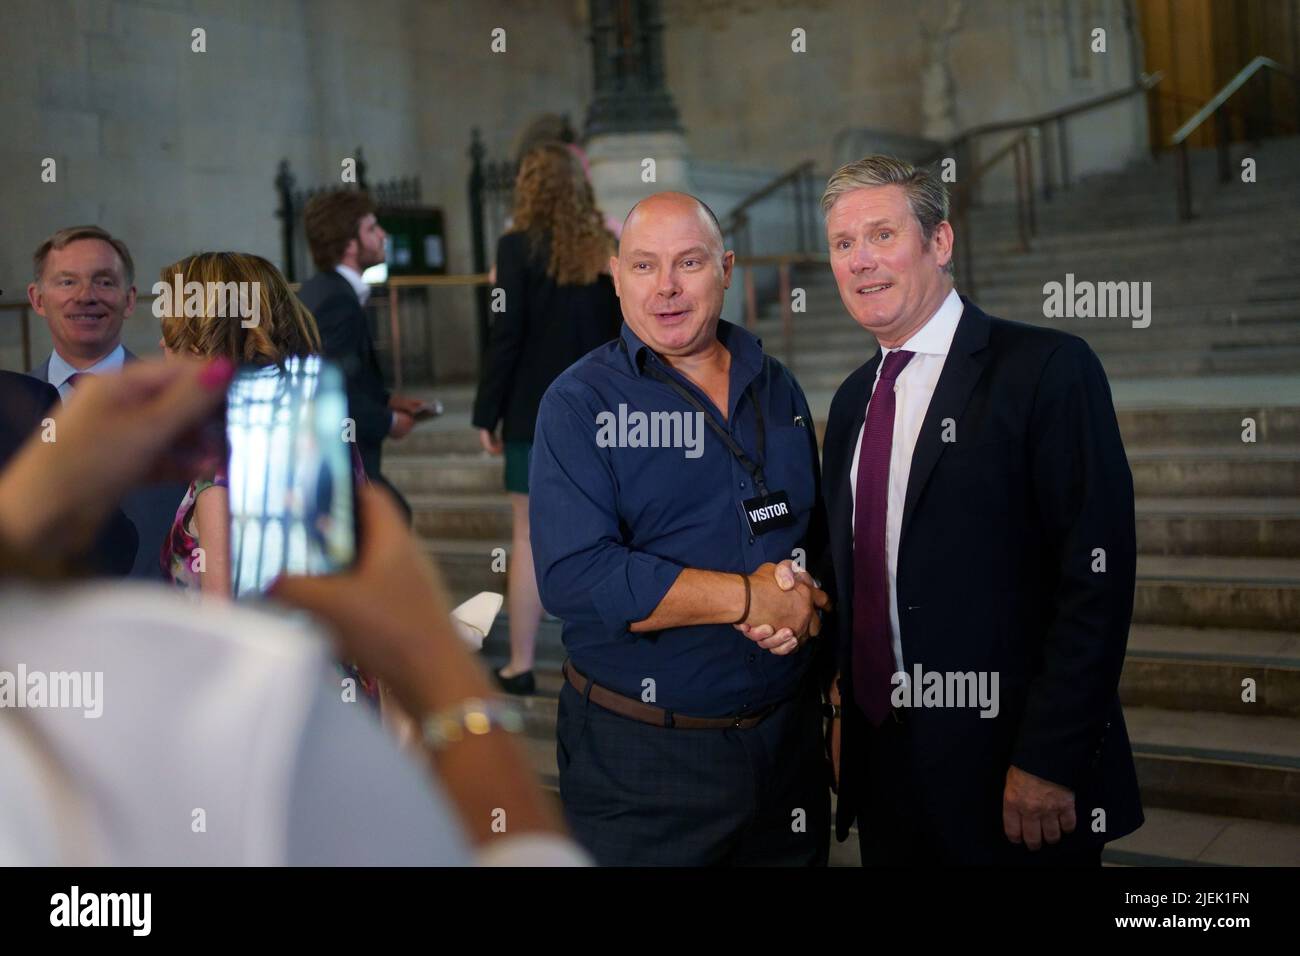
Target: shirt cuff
point(634, 590)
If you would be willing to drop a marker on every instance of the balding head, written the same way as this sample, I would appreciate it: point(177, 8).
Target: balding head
point(672, 205)
point(670, 272)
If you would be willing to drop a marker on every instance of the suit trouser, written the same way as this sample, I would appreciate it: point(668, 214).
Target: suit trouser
point(894, 831)
point(640, 795)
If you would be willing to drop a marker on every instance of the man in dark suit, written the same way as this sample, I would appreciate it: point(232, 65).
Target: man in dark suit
point(84, 287)
point(26, 407)
point(982, 533)
point(346, 239)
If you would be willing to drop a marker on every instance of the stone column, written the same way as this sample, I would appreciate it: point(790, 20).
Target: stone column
point(938, 103)
point(632, 118)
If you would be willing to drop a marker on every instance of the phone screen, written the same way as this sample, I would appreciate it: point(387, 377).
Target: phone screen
point(292, 504)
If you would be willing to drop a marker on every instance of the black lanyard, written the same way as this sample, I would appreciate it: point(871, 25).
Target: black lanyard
point(755, 470)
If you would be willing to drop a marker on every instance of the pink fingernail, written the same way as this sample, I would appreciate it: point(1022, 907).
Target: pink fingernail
point(217, 374)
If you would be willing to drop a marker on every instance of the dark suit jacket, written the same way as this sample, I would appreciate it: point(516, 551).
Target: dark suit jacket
point(346, 339)
point(995, 574)
point(544, 329)
point(24, 404)
point(150, 508)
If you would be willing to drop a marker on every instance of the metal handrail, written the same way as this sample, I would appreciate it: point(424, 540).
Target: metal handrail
point(1221, 97)
point(736, 217)
point(1214, 107)
point(1147, 83)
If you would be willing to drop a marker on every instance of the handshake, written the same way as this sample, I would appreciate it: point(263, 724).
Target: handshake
point(785, 608)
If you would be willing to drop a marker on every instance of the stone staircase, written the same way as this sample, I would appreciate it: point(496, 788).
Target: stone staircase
point(1218, 591)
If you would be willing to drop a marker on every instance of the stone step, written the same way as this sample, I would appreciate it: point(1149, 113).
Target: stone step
point(1198, 669)
point(1241, 470)
point(1235, 527)
point(1230, 764)
point(445, 474)
point(453, 436)
point(470, 565)
point(1106, 220)
point(462, 516)
point(1182, 838)
point(1196, 425)
point(1218, 592)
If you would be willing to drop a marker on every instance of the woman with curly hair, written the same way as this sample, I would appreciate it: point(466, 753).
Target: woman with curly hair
point(280, 327)
point(559, 304)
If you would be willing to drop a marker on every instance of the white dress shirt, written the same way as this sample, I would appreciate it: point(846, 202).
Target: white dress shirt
point(61, 371)
point(913, 390)
point(354, 279)
point(363, 294)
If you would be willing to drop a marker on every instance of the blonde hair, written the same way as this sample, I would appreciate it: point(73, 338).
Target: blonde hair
point(285, 327)
point(554, 204)
point(74, 233)
point(927, 196)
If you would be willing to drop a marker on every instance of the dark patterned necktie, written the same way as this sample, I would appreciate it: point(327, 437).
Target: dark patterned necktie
point(72, 380)
point(873, 644)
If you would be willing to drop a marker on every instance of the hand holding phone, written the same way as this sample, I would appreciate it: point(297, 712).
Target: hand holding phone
point(290, 473)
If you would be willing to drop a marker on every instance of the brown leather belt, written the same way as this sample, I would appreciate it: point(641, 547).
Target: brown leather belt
point(635, 709)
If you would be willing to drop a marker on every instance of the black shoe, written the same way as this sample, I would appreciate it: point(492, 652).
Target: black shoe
point(521, 685)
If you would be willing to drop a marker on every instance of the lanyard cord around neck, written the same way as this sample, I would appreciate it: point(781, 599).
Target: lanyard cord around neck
point(755, 469)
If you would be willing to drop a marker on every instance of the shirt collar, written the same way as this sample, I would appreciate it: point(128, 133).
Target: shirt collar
point(746, 348)
point(61, 371)
point(354, 279)
point(935, 337)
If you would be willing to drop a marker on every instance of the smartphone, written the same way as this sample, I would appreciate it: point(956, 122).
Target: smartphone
point(290, 473)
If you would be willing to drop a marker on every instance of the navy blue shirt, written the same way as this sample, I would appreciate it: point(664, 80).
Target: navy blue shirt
point(613, 526)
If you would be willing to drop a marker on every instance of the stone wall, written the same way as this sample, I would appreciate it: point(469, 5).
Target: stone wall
point(176, 151)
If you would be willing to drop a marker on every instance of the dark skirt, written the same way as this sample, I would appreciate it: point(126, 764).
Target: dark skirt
point(517, 455)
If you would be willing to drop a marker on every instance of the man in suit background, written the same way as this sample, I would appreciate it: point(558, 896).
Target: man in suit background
point(84, 287)
point(982, 530)
point(345, 239)
point(26, 405)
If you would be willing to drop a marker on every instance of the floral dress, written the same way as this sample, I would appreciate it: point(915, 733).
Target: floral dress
point(181, 564)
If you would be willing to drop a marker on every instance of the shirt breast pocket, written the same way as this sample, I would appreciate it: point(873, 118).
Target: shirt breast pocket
point(789, 466)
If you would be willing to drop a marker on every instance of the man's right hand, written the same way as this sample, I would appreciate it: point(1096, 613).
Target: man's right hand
point(774, 637)
point(791, 610)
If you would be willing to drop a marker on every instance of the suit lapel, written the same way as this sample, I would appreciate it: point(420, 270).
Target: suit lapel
point(961, 370)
